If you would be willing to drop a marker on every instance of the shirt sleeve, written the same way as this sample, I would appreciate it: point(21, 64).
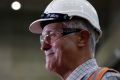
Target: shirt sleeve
point(111, 76)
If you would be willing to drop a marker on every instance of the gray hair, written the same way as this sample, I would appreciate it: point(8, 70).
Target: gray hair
point(84, 24)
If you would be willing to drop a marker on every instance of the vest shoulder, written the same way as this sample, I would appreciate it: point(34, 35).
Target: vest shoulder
point(111, 76)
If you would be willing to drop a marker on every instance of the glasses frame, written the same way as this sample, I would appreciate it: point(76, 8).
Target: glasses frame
point(63, 32)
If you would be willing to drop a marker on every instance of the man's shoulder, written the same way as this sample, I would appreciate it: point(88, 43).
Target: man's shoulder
point(111, 76)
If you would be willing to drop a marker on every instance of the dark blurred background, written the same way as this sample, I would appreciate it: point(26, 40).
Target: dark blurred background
point(20, 55)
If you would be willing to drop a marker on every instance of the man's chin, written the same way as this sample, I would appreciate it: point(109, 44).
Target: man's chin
point(50, 68)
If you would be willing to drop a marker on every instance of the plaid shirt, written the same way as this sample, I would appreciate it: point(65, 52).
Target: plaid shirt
point(82, 70)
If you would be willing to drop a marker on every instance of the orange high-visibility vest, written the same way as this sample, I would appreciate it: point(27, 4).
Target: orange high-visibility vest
point(98, 74)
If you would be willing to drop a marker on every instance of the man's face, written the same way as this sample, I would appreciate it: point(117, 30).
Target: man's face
point(59, 50)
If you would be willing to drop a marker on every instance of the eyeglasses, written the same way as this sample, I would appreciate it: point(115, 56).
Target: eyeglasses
point(54, 35)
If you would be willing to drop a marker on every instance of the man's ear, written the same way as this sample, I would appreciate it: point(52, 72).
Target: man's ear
point(83, 38)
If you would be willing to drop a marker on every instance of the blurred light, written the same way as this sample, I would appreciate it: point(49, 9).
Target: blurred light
point(16, 5)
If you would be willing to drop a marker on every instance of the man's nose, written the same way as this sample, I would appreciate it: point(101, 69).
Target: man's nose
point(45, 45)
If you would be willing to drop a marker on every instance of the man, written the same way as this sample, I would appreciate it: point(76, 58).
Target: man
point(69, 31)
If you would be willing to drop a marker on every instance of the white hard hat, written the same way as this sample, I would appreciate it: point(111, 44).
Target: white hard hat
point(64, 9)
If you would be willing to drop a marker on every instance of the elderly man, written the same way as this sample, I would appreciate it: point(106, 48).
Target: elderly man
point(69, 31)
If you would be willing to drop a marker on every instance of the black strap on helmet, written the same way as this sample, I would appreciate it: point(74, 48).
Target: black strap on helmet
point(57, 17)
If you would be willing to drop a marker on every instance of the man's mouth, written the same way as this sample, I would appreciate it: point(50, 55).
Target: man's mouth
point(49, 54)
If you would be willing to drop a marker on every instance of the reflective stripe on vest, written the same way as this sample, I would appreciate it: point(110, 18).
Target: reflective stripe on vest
point(98, 74)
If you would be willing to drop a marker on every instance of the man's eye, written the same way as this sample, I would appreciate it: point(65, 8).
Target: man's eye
point(53, 34)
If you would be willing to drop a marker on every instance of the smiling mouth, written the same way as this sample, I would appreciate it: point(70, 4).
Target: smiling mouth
point(49, 54)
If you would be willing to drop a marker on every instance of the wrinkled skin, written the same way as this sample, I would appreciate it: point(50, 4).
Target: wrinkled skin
point(63, 55)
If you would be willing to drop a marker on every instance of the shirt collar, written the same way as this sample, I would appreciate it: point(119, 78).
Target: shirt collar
point(87, 67)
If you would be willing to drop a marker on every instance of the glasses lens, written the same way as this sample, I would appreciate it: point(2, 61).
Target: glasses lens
point(51, 37)
point(54, 35)
point(41, 38)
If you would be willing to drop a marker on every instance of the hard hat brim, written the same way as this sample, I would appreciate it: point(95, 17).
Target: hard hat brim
point(35, 26)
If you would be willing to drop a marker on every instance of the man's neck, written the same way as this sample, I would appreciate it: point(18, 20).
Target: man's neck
point(69, 70)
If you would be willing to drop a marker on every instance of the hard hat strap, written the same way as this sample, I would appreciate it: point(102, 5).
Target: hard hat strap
point(55, 16)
